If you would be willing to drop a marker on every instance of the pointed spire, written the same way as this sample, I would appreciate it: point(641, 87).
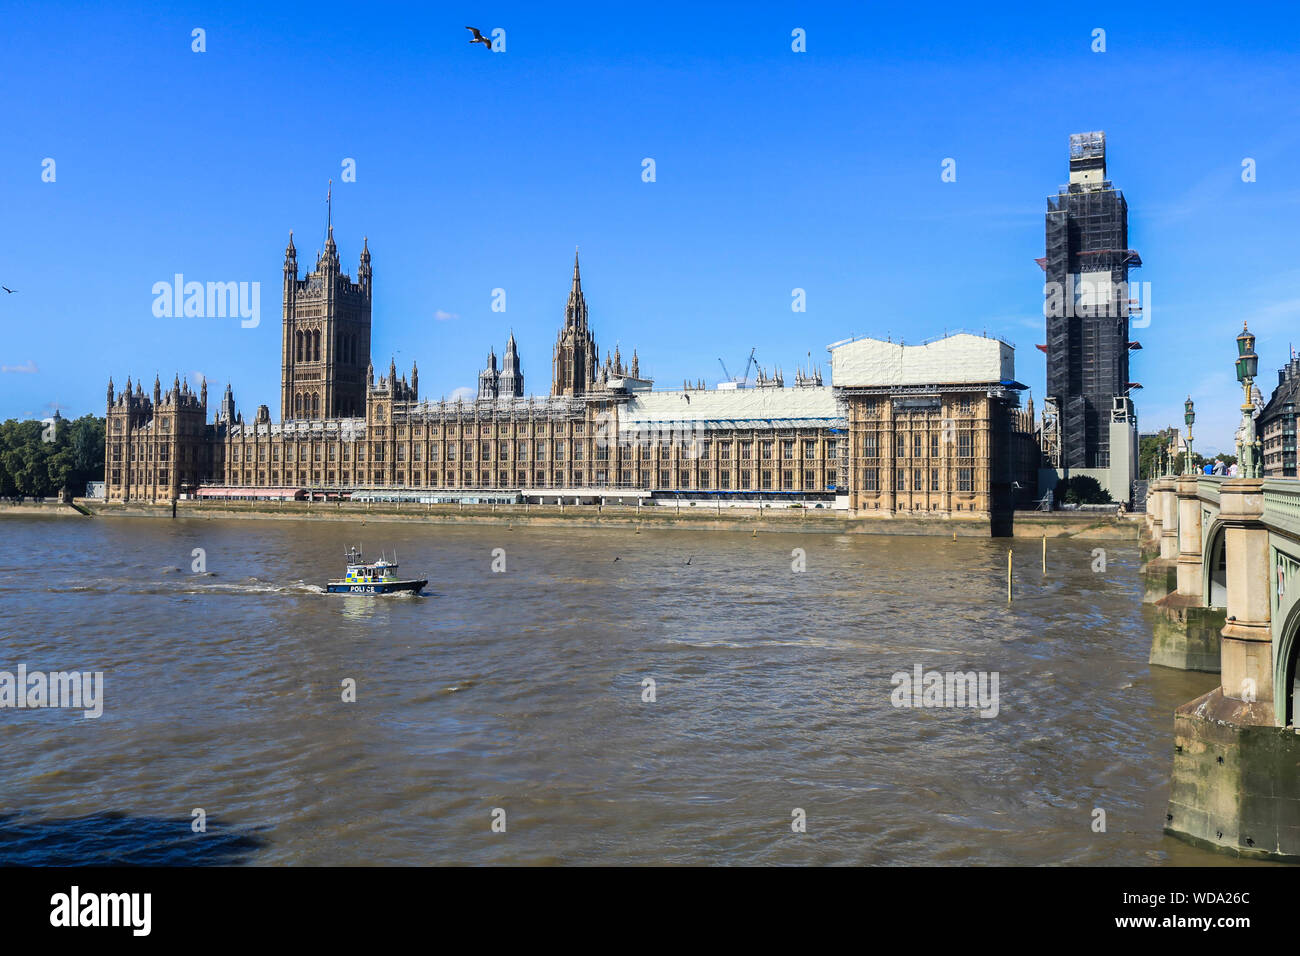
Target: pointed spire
point(577, 276)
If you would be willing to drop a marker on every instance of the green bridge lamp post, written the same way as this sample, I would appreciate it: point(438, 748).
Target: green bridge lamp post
point(1247, 368)
point(1189, 416)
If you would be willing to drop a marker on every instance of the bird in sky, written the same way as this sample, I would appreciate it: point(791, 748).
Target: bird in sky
point(479, 38)
point(7, 289)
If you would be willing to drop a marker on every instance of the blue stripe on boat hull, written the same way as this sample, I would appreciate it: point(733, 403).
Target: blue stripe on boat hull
point(387, 587)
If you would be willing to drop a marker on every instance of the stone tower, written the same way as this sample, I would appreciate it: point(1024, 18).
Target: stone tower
point(1087, 305)
point(506, 382)
point(511, 380)
point(489, 378)
point(326, 337)
point(575, 350)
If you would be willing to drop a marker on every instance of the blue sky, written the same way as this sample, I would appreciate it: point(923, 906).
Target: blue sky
point(775, 170)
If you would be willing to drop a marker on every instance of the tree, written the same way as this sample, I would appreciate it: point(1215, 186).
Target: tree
point(34, 467)
point(1149, 448)
point(1082, 490)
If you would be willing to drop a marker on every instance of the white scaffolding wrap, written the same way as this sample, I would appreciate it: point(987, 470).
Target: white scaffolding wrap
point(961, 359)
point(806, 407)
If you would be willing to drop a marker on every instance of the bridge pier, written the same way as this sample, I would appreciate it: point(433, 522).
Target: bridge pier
point(1149, 542)
point(1235, 785)
point(1160, 574)
point(1186, 633)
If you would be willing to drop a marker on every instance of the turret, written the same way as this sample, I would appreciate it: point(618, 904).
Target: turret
point(290, 260)
point(363, 271)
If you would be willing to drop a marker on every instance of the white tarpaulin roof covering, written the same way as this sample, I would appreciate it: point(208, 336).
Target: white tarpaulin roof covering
point(961, 359)
point(802, 407)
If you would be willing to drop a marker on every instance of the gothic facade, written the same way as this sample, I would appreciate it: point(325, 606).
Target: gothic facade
point(603, 430)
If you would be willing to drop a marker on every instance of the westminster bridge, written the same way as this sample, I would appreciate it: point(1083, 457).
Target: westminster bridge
point(1225, 585)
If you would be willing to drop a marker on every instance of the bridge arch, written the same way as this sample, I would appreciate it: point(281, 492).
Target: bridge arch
point(1286, 690)
point(1214, 567)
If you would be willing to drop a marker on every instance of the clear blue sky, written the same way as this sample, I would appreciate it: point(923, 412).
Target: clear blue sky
point(775, 170)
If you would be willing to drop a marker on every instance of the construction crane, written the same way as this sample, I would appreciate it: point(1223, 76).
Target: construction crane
point(743, 381)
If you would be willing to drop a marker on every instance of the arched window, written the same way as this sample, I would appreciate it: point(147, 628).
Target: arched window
point(297, 341)
point(315, 399)
point(297, 406)
point(316, 345)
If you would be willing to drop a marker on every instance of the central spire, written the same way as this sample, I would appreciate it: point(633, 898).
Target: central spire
point(575, 312)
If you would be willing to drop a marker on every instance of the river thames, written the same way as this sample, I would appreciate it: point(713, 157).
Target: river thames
point(519, 693)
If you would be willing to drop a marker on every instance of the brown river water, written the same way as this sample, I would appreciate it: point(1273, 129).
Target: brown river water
point(519, 694)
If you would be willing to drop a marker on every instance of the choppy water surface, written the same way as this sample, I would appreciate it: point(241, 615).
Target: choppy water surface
point(522, 690)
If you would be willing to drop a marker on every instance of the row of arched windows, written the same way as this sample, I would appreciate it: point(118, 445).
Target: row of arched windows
point(306, 405)
point(345, 347)
point(306, 346)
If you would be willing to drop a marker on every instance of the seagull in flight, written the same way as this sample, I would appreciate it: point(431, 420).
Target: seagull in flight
point(479, 38)
point(7, 289)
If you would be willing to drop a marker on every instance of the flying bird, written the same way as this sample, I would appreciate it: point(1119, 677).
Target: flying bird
point(479, 38)
point(7, 289)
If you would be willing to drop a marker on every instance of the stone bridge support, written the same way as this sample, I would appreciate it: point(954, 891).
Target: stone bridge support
point(1149, 545)
point(1159, 575)
point(1185, 633)
point(1236, 783)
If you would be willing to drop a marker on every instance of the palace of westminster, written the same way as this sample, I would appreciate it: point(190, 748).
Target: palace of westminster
point(931, 429)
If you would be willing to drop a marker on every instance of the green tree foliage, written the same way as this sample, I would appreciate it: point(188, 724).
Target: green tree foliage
point(1148, 448)
point(38, 459)
point(1082, 490)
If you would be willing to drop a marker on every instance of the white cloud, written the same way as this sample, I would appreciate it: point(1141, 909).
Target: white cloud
point(464, 392)
point(442, 316)
point(28, 369)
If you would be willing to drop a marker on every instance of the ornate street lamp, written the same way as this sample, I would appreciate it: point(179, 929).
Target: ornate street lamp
point(1247, 368)
point(1189, 416)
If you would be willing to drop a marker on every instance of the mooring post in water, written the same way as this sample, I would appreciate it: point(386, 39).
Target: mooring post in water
point(173, 507)
point(1044, 552)
point(1009, 552)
